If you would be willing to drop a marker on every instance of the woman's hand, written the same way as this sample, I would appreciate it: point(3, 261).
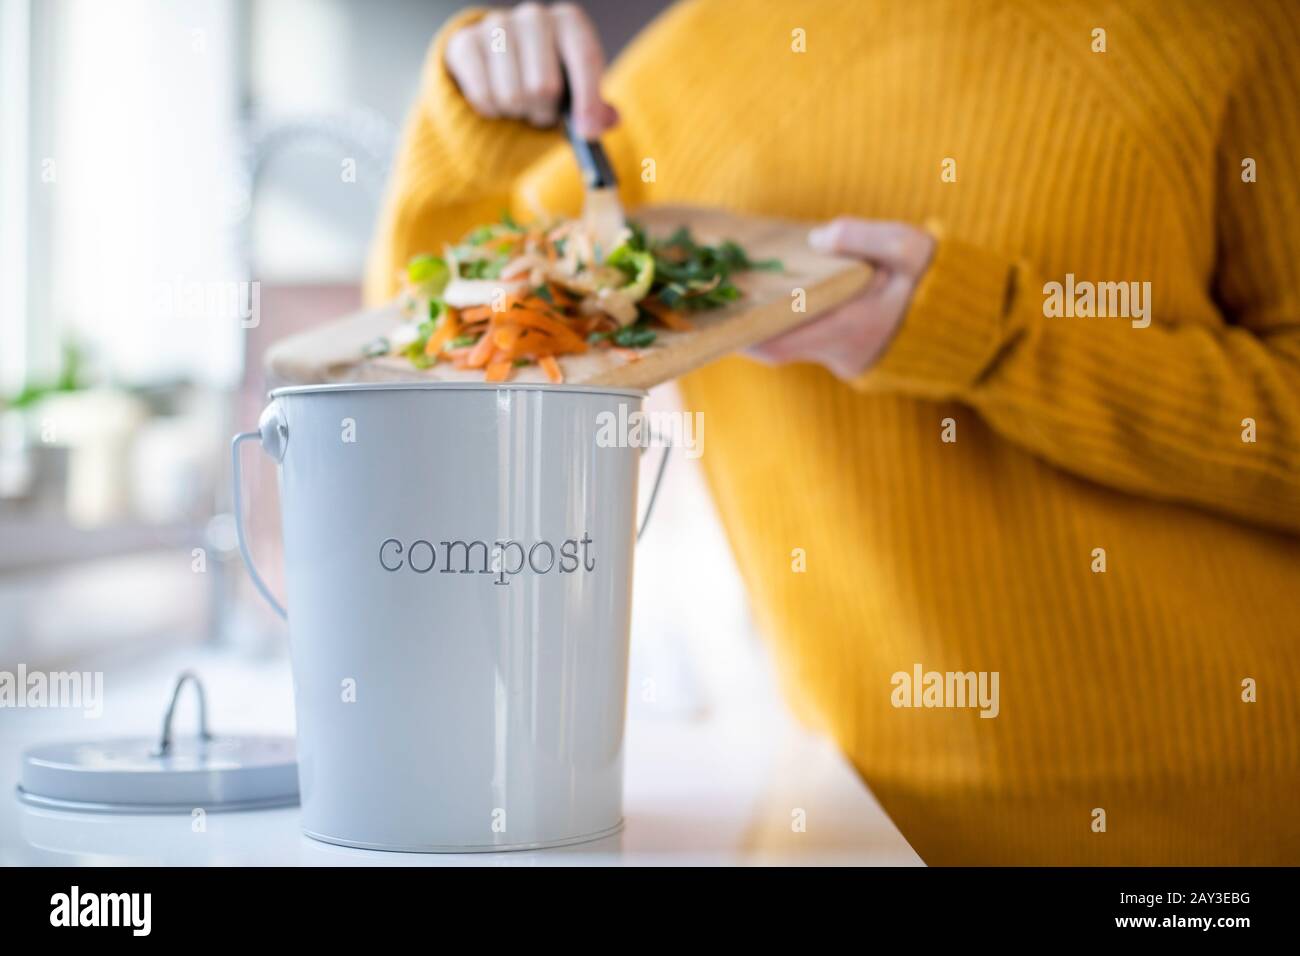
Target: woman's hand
point(848, 339)
point(512, 64)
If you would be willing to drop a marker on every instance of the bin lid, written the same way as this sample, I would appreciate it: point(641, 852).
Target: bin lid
point(166, 774)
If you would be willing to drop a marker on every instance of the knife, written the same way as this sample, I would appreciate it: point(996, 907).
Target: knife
point(602, 213)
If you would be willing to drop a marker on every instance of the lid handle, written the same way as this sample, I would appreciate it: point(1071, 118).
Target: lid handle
point(165, 743)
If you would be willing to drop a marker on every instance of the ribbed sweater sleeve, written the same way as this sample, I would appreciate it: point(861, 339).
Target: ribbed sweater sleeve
point(1160, 410)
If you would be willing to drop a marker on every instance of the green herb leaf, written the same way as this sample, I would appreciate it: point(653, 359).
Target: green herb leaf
point(635, 336)
point(483, 268)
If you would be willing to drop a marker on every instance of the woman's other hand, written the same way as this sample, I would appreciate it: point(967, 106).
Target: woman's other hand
point(848, 339)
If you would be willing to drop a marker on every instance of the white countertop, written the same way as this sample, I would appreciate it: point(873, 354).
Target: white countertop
point(715, 766)
point(713, 788)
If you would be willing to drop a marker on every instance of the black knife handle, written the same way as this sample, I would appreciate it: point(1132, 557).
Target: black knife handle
point(594, 165)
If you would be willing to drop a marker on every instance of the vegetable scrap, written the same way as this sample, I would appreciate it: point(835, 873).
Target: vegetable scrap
point(509, 296)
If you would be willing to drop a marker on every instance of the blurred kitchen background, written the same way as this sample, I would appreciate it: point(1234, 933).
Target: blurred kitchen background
point(181, 183)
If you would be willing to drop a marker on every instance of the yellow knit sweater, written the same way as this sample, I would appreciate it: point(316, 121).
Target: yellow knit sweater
point(1169, 158)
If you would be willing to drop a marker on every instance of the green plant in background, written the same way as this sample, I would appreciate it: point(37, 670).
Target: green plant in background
point(69, 379)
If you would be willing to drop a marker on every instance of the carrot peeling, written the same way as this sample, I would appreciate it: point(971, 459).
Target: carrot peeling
point(552, 369)
point(498, 371)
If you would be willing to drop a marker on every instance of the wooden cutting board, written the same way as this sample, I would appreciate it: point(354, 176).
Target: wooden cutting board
point(333, 352)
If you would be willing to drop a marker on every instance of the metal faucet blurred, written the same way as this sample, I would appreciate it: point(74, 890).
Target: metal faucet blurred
point(369, 140)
